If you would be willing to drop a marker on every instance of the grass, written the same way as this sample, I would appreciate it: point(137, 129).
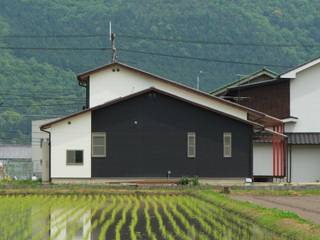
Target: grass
point(265, 192)
point(289, 224)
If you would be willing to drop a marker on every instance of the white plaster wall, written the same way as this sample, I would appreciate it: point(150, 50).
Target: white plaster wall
point(305, 163)
point(262, 159)
point(305, 100)
point(74, 136)
point(108, 85)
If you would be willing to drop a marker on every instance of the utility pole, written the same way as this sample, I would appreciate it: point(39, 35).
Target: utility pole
point(112, 38)
point(198, 79)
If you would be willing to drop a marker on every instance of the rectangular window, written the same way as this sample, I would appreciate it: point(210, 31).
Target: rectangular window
point(227, 144)
point(74, 157)
point(98, 144)
point(191, 145)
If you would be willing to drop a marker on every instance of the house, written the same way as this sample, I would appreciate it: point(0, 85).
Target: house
point(15, 161)
point(139, 125)
point(39, 138)
point(293, 97)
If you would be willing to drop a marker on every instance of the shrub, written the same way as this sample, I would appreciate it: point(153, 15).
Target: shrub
point(194, 181)
point(184, 180)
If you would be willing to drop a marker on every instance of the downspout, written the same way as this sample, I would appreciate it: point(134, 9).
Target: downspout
point(251, 157)
point(290, 160)
point(86, 85)
point(49, 152)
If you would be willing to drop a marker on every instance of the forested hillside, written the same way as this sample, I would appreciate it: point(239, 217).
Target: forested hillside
point(44, 43)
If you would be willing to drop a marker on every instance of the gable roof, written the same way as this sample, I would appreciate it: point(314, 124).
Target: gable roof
point(260, 83)
point(121, 99)
point(262, 118)
point(292, 73)
point(246, 79)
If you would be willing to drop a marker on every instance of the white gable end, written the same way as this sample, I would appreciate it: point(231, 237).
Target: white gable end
point(305, 101)
point(106, 85)
point(73, 134)
point(293, 73)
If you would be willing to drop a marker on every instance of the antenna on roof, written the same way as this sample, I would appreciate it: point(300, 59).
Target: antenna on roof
point(198, 79)
point(112, 38)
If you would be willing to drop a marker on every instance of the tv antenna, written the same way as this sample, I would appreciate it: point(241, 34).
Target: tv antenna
point(198, 79)
point(112, 38)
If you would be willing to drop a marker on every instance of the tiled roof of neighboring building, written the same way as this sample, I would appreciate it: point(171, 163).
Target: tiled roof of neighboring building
point(15, 151)
point(245, 79)
point(301, 138)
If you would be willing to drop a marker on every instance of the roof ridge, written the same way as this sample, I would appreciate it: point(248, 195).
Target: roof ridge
point(264, 69)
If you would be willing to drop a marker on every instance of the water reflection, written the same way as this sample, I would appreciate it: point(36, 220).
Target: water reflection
point(65, 224)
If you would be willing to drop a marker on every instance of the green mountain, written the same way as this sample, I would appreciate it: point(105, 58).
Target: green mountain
point(229, 34)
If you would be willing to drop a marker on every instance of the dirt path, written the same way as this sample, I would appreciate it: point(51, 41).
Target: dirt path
point(307, 207)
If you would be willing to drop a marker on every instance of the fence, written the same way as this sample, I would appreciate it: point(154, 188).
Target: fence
point(16, 168)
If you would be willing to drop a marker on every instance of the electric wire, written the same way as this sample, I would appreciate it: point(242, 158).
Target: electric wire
point(171, 39)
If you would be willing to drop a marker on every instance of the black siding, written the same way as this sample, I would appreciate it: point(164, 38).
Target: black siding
point(158, 142)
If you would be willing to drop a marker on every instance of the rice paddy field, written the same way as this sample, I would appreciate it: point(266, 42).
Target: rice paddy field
point(151, 215)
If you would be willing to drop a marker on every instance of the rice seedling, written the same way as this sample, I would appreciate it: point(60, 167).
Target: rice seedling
point(105, 211)
point(179, 232)
point(184, 221)
point(123, 219)
point(111, 220)
point(165, 233)
point(150, 234)
point(134, 219)
point(153, 215)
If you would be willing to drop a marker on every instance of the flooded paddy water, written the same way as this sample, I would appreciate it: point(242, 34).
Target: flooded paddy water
point(122, 216)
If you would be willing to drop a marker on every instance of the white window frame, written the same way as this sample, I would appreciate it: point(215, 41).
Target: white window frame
point(74, 164)
point(99, 134)
point(191, 145)
point(227, 144)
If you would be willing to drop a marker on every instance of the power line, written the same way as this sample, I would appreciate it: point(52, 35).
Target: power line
point(177, 40)
point(156, 54)
point(55, 48)
point(55, 36)
point(17, 97)
point(42, 105)
point(228, 43)
point(48, 92)
point(202, 59)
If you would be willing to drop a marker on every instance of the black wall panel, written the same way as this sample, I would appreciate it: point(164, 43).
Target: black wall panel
point(147, 136)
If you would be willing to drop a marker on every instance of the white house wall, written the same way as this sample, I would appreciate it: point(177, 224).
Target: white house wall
point(74, 136)
point(108, 85)
point(305, 163)
point(305, 100)
point(262, 159)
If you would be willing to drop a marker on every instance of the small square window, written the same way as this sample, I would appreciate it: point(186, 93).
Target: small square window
point(74, 157)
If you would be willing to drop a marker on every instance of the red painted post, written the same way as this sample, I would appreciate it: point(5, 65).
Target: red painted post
point(273, 153)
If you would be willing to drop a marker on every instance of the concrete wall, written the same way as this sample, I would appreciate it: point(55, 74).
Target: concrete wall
point(73, 136)
point(108, 85)
point(37, 137)
point(262, 159)
point(305, 163)
point(305, 101)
